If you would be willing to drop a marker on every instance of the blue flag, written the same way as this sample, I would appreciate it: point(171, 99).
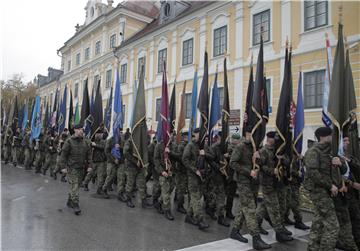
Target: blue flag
point(25, 118)
point(192, 124)
point(118, 115)
point(215, 113)
point(36, 120)
point(62, 113)
point(299, 125)
point(107, 118)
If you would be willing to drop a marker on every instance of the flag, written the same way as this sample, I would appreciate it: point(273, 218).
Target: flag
point(181, 120)
point(97, 114)
point(21, 116)
point(299, 120)
point(86, 119)
point(54, 110)
point(31, 110)
point(71, 123)
point(284, 111)
point(257, 118)
point(164, 114)
point(46, 119)
point(118, 115)
point(77, 118)
point(342, 95)
point(203, 104)
point(192, 124)
point(215, 113)
point(108, 109)
point(133, 102)
point(25, 117)
point(325, 116)
point(249, 94)
point(15, 116)
point(94, 88)
point(225, 113)
point(172, 109)
point(36, 119)
point(62, 113)
point(138, 136)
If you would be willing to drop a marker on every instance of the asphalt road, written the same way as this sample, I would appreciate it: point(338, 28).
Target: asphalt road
point(34, 217)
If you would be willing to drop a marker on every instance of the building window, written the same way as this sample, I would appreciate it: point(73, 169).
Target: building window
point(108, 78)
point(268, 94)
point(221, 95)
point(141, 62)
point(113, 41)
point(87, 53)
point(78, 59)
point(188, 111)
point(220, 41)
point(123, 73)
point(316, 14)
point(261, 20)
point(158, 106)
point(313, 89)
point(69, 65)
point(161, 59)
point(188, 51)
point(97, 47)
point(76, 91)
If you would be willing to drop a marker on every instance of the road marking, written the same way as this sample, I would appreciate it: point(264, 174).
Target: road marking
point(19, 198)
point(20, 167)
point(39, 189)
point(234, 245)
point(46, 180)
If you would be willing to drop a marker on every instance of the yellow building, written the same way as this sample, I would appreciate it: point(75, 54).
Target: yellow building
point(179, 32)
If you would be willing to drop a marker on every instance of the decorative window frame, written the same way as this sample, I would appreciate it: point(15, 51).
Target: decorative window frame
point(220, 20)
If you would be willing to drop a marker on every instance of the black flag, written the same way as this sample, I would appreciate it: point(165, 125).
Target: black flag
point(203, 104)
point(225, 112)
point(71, 122)
point(86, 118)
point(172, 109)
point(97, 113)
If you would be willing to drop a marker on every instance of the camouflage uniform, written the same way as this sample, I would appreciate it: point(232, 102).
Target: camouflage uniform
point(230, 184)
point(27, 151)
point(180, 177)
point(98, 160)
point(8, 143)
point(134, 173)
point(16, 147)
point(39, 153)
point(51, 154)
point(241, 162)
point(63, 137)
point(156, 185)
point(325, 226)
point(75, 155)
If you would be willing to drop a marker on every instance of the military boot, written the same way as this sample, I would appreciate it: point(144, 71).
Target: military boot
point(121, 197)
point(211, 212)
point(99, 191)
point(285, 231)
point(288, 221)
point(202, 224)
point(129, 202)
point(158, 206)
point(229, 206)
point(222, 221)
point(77, 209)
point(105, 194)
point(259, 244)
point(282, 237)
point(69, 203)
point(145, 203)
point(63, 179)
point(189, 219)
point(44, 171)
point(300, 225)
point(54, 176)
point(86, 187)
point(263, 231)
point(181, 209)
point(168, 215)
point(235, 234)
point(37, 170)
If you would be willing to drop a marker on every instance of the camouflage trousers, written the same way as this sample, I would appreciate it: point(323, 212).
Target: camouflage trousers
point(75, 176)
point(181, 186)
point(219, 195)
point(247, 210)
point(135, 175)
point(111, 170)
point(282, 196)
point(209, 193)
point(101, 174)
point(167, 186)
point(7, 154)
point(346, 238)
point(16, 152)
point(39, 160)
point(293, 202)
point(354, 211)
point(325, 226)
point(121, 178)
point(50, 162)
point(156, 190)
point(27, 160)
point(195, 192)
point(90, 174)
point(269, 208)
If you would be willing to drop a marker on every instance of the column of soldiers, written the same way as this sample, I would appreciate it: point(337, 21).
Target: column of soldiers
point(265, 191)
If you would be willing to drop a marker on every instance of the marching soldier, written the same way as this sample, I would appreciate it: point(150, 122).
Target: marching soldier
point(51, 152)
point(318, 180)
point(190, 157)
point(181, 176)
point(268, 178)
point(39, 153)
point(16, 146)
point(242, 159)
point(63, 137)
point(8, 143)
point(75, 155)
point(26, 143)
point(98, 158)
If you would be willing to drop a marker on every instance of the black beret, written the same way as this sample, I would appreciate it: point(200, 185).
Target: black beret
point(196, 130)
point(78, 126)
point(322, 132)
point(271, 134)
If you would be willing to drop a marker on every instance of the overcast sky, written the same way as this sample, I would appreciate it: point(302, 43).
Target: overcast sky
point(32, 31)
